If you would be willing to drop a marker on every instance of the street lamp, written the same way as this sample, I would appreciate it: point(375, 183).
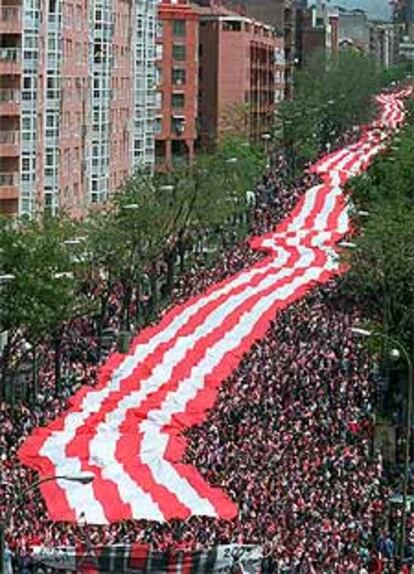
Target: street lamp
point(63, 275)
point(74, 241)
point(167, 188)
point(7, 277)
point(347, 244)
point(266, 139)
point(83, 479)
point(232, 160)
point(400, 350)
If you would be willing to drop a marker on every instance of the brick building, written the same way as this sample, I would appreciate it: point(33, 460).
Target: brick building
point(177, 83)
point(281, 14)
point(76, 100)
point(241, 64)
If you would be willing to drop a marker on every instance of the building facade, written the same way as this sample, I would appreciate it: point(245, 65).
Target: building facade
point(177, 83)
point(242, 66)
point(281, 14)
point(316, 32)
point(77, 101)
point(403, 17)
point(354, 29)
point(383, 43)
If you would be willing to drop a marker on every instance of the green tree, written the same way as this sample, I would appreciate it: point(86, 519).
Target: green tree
point(382, 265)
point(38, 299)
point(330, 98)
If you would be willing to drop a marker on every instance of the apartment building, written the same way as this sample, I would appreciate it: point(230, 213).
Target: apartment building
point(281, 14)
point(241, 63)
point(177, 83)
point(77, 100)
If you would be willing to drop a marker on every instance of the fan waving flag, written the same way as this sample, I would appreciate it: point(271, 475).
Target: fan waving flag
point(127, 431)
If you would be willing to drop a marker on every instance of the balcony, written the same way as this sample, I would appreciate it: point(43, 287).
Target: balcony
point(9, 143)
point(10, 61)
point(9, 101)
point(9, 186)
point(10, 20)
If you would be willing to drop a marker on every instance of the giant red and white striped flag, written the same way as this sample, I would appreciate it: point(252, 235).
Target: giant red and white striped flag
point(127, 431)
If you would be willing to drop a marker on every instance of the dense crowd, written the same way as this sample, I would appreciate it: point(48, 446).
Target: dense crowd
point(290, 437)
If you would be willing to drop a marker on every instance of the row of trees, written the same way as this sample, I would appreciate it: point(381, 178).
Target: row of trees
point(330, 98)
point(55, 270)
point(382, 262)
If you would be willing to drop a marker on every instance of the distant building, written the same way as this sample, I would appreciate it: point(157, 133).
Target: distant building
point(241, 66)
point(177, 83)
point(383, 43)
point(403, 16)
point(354, 29)
point(316, 32)
point(76, 101)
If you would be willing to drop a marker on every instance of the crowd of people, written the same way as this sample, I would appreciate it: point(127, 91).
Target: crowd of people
point(289, 439)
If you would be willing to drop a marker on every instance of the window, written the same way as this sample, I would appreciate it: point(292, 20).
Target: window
point(178, 76)
point(158, 75)
point(179, 27)
point(26, 123)
point(178, 100)
point(158, 100)
point(159, 29)
point(158, 53)
point(30, 42)
point(50, 121)
point(52, 44)
point(232, 26)
point(178, 52)
point(50, 160)
point(27, 83)
point(158, 125)
point(177, 125)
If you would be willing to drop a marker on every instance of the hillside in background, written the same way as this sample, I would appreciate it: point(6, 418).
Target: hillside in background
point(262, 9)
point(376, 9)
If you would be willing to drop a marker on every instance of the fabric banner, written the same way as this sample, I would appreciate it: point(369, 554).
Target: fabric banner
point(139, 559)
point(128, 430)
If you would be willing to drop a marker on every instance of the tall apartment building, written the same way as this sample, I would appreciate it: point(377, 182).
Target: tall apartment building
point(281, 14)
point(177, 83)
point(76, 100)
point(241, 62)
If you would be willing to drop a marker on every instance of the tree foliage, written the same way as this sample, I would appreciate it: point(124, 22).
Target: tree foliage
point(330, 98)
point(382, 264)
